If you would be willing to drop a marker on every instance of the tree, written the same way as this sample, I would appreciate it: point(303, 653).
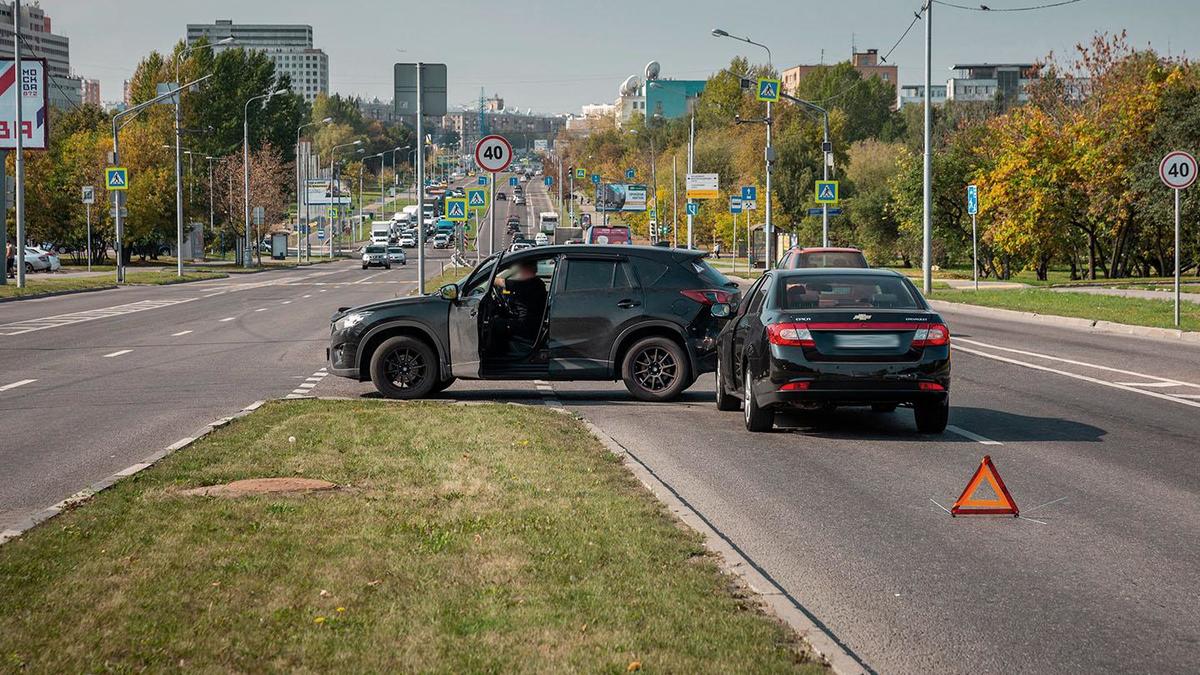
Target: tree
point(869, 171)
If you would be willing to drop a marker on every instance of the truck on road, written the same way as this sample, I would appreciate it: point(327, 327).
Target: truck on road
point(381, 231)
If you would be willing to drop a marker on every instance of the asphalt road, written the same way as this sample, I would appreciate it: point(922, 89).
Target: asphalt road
point(1095, 436)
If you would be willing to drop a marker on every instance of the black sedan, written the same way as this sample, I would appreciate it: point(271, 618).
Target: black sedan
point(821, 338)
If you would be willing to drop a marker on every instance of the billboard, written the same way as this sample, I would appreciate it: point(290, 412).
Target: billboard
point(620, 197)
point(703, 186)
point(35, 127)
point(541, 145)
point(318, 194)
point(433, 89)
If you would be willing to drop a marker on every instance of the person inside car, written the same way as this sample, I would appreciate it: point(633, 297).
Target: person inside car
point(525, 302)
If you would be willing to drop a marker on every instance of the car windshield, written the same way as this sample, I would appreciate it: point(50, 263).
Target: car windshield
point(846, 291)
point(395, 249)
point(831, 259)
point(374, 249)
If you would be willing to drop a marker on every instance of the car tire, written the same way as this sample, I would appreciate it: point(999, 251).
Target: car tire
point(757, 419)
point(404, 367)
point(364, 267)
point(28, 268)
point(387, 266)
point(656, 369)
point(883, 407)
point(725, 401)
point(932, 415)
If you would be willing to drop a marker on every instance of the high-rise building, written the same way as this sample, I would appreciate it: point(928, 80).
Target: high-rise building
point(41, 42)
point(289, 46)
point(91, 91)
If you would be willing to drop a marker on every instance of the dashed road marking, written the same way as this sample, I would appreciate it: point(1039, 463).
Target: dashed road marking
point(182, 332)
point(971, 435)
point(18, 383)
point(31, 325)
point(228, 318)
point(304, 389)
point(261, 309)
point(117, 353)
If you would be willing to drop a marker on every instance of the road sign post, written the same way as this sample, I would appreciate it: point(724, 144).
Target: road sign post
point(973, 209)
point(1177, 171)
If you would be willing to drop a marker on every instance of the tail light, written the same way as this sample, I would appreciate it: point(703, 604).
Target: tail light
point(932, 335)
point(790, 335)
point(930, 386)
point(707, 296)
point(795, 386)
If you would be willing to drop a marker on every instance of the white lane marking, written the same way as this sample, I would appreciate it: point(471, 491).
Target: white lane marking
point(1186, 395)
point(307, 385)
point(316, 378)
point(971, 435)
point(322, 290)
point(18, 383)
point(1077, 376)
point(307, 296)
point(372, 276)
point(261, 309)
point(1075, 363)
point(117, 353)
point(286, 302)
point(1152, 384)
point(228, 318)
point(182, 332)
point(31, 325)
point(213, 295)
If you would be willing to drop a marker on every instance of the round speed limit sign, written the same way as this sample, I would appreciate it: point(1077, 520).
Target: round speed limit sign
point(493, 153)
point(1177, 170)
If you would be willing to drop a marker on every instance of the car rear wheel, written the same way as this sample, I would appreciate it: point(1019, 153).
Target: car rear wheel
point(404, 367)
point(883, 407)
point(655, 369)
point(932, 415)
point(725, 401)
point(28, 268)
point(757, 419)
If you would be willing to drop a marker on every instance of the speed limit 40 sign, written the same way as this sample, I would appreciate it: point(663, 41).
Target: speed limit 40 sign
point(493, 153)
point(1177, 170)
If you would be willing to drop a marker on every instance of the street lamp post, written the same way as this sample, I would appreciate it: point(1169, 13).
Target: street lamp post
point(380, 155)
point(248, 261)
point(179, 155)
point(768, 153)
point(333, 185)
point(211, 210)
point(302, 185)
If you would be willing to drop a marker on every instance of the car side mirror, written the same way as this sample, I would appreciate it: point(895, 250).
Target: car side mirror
point(449, 292)
point(721, 310)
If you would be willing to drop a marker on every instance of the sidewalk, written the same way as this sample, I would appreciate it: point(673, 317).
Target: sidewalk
point(1128, 293)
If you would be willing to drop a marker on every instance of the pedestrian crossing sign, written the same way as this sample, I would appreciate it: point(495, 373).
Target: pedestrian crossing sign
point(477, 198)
point(456, 209)
point(827, 192)
point(333, 212)
point(116, 178)
point(581, 173)
point(768, 89)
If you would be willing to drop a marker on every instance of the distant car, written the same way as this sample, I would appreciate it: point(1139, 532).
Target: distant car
point(802, 258)
point(541, 239)
point(514, 228)
point(39, 260)
point(500, 197)
point(520, 245)
point(574, 241)
point(519, 200)
point(822, 338)
point(396, 255)
point(441, 240)
point(408, 240)
point(375, 256)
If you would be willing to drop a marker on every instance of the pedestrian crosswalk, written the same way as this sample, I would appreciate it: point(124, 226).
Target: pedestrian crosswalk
point(42, 323)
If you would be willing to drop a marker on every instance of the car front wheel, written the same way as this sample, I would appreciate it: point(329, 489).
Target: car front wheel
point(404, 367)
point(725, 401)
point(757, 419)
point(932, 415)
point(656, 369)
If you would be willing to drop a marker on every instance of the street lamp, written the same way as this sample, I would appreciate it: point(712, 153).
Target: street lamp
point(395, 172)
point(179, 154)
point(246, 163)
point(333, 186)
point(360, 187)
point(212, 228)
point(768, 153)
point(302, 185)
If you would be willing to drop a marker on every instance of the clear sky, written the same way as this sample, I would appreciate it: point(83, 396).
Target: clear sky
point(556, 56)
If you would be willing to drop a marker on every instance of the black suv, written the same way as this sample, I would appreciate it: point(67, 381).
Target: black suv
point(639, 314)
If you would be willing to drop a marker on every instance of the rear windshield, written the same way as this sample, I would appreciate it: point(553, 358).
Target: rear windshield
point(395, 249)
point(374, 249)
point(846, 291)
point(830, 259)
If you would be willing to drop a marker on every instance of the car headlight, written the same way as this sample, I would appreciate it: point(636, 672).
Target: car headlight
point(349, 321)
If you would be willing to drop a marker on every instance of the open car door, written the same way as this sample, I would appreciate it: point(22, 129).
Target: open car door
point(465, 321)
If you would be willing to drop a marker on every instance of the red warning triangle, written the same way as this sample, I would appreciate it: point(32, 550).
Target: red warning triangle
point(1003, 504)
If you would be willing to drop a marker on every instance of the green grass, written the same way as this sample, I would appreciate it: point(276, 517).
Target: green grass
point(43, 284)
point(490, 538)
point(451, 275)
point(1135, 311)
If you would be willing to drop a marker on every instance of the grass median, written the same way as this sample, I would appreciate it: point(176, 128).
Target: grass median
point(47, 284)
point(1117, 309)
point(483, 538)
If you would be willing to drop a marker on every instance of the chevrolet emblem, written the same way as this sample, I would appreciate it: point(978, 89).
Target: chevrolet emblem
point(862, 317)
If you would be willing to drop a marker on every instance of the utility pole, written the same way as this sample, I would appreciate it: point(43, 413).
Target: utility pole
point(690, 169)
point(927, 172)
point(420, 187)
point(19, 160)
point(674, 201)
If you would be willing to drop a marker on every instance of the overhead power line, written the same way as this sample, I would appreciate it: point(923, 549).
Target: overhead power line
point(988, 8)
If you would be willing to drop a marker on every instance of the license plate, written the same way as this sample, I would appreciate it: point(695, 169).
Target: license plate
point(867, 341)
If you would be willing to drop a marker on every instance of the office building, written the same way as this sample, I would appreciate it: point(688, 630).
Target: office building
point(289, 46)
point(40, 41)
point(90, 91)
point(866, 63)
point(914, 94)
point(657, 96)
point(520, 128)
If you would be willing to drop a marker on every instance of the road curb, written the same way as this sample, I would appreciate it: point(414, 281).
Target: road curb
point(39, 517)
point(733, 561)
point(1076, 323)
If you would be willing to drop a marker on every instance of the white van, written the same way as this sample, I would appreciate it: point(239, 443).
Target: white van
point(381, 231)
point(547, 221)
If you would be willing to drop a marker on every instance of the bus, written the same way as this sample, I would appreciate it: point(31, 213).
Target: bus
point(548, 220)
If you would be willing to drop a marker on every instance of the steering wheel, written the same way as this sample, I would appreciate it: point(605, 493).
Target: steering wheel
point(501, 302)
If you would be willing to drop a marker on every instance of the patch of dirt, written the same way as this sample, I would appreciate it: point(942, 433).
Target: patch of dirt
point(263, 486)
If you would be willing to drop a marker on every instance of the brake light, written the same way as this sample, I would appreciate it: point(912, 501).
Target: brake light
point(707, 296)
point(790, 335)
point(931, 335)
point(930, 386)
point(795, 386)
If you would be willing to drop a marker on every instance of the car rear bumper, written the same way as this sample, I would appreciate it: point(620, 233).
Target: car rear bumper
point(858, 382)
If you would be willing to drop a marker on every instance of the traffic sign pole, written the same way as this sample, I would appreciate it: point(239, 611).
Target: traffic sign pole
point(1177, 171)
point(1177, 191)
point(420, 187)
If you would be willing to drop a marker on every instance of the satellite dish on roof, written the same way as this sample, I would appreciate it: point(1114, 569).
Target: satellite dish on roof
point(652, 70)
point(629, 86)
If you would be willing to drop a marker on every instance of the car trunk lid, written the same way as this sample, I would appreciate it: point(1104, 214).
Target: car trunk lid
point(868, 335)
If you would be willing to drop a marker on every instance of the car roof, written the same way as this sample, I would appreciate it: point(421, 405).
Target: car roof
point(825, 249)
point(856, 271)
point(622, 249)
